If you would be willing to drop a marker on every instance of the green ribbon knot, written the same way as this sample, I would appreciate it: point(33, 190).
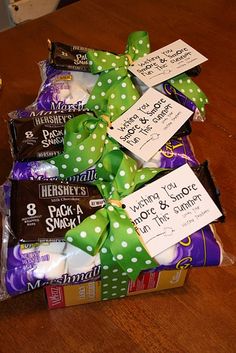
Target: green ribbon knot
point(114, 82)
point(110, 230)
point(85, 141)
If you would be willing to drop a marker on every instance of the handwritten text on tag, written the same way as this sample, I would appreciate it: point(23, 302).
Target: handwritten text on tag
point(170, 209)
point(167, 62)
point(149, 124)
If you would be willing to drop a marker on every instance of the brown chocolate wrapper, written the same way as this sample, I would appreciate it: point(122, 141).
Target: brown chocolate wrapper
point(68, 57)
point(46, 210)
point(73, 57)
point(204, 175)
point(184, 130)
point(38, 137)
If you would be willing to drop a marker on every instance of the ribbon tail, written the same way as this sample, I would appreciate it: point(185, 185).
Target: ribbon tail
point(90, 234)
point(83, 145)
point(114, 280)
point(184, 84)
point(145, 175)
point(138, 44)
point(126, 245)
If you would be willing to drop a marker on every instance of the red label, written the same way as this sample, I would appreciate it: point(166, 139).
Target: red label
point(144, 281)
point(55, 297)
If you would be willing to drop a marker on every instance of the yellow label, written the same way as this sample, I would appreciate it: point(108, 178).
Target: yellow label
point(171, 279)
point(63, 78)
point(82, 293)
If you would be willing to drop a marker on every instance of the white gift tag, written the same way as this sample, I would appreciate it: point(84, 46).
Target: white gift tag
point(167, 62)
point(170, 209)
point(149, 124)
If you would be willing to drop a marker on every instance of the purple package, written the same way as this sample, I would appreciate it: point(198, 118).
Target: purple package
point(40, 170)
point(176, 152)
point(63, 89)
point(31, 266)
point(199, 249)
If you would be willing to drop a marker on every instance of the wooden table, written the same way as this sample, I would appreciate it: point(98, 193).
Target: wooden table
point(200, 317)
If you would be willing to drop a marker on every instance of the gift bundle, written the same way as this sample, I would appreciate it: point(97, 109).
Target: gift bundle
point(106, 197)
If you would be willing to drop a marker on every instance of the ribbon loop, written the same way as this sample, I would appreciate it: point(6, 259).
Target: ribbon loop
point(84, 138)
point(114, 87)
point(137, 46)
point(85, 141)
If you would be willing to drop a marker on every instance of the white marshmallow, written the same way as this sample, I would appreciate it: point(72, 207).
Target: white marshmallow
point(167, 256)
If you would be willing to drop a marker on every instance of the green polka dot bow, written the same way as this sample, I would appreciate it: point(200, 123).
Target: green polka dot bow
point(85, 141)
point(184, 84)
point(110, 230)
point(114, 82)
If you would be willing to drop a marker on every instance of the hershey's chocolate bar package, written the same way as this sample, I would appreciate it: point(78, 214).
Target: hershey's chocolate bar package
point(69, 57)
point(204, 175)
point(38, 137)
point(46, 210)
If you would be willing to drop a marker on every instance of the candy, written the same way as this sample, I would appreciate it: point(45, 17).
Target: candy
point(40, 170)
point(68, 57)
point(38, 137)
point(49, 208)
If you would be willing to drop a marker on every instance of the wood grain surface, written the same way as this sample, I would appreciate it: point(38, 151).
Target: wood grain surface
point(200, 317)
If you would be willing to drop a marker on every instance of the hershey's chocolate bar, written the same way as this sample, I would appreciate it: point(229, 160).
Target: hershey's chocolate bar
point(38, 137)
point(68, 57)
point(46, 210)
point(194, 71)
point(204, 175)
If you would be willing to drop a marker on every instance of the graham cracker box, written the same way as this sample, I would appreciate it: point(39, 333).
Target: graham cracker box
point(59, 296)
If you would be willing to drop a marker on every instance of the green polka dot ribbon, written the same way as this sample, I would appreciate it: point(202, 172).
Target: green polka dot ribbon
point(110, 231)
point(114, 82)
point(184, 84)
point(85, 141)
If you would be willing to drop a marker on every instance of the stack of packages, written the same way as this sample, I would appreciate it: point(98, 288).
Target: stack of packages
point(106, 198)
